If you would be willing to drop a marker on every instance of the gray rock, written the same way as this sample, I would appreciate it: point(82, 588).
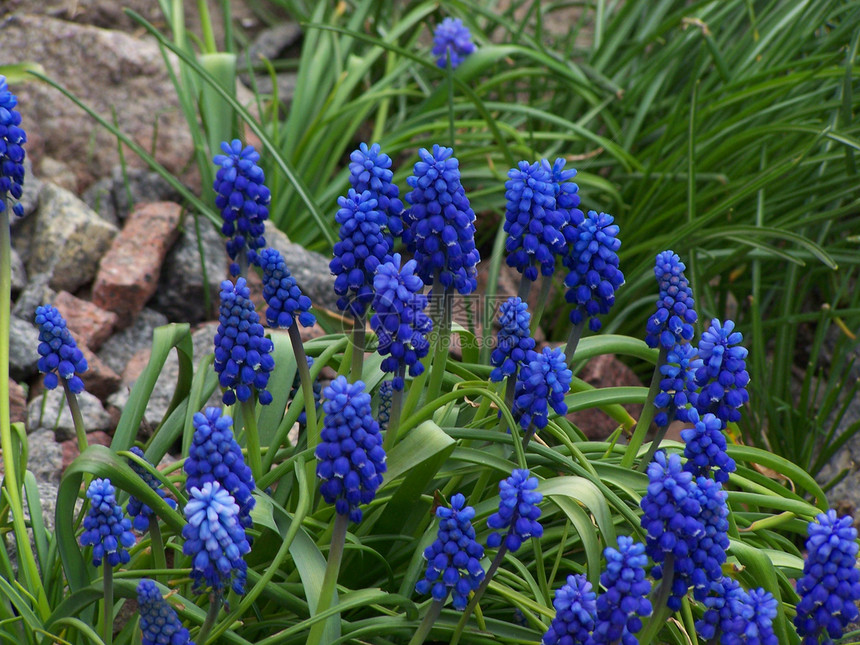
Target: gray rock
point(117, 350)
point(23, 343)
point(285, 82)
point(19, 273)
point(36, 293)
point(45, 457)
point(310, 269)
point(273, 42)
point(109, 197)
point(69, 240)
point(56, 415)
point(180, 294)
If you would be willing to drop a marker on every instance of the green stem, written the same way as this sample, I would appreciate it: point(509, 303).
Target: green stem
point(689, 621)
point(7, 446)
point(211, 615)
point(647, 415)
point(307, 386)
point(450, 78)
point(394, 415)
point(252, 438)
point(77, 418)
point(443, 337)
point(661, 609)
point(479, 592)
point(159, 559)
point(358, 342)
point(107, 614)
point(206, 27)
point(332, 570)
point(525, 288)
point(652, 449)
point(546, 285)
point(510, 390)
point(573, 341)
point(427, 624)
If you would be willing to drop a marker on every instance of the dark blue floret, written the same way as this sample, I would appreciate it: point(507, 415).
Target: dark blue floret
point(677, 385)
point(830, 586)
point(159, 624)
point(452, 36)
point(400, 323)
point(59, 354)
point(297, 384)
point(243, 199)
point(541, 384)
point(214, 456)
point(673, 321)
point(532, 222)
point(705, 447)
point(12, 138)
point(363, 245)
point(721, 373)
point(215, 540)
point(454, 558)
point(709, 549)
point(514, 339)
point(670, 517)
point(724, 611)
point(106, 529)
point(243, 354)
point(622, 606)
point(761, 609)
point(440, 226)
point(350, 458)
point(137, 510)
point(518, 511)
point(575, 612)
point(386, 392)
point(594, 276)
point(285, 300)
point(370, 169)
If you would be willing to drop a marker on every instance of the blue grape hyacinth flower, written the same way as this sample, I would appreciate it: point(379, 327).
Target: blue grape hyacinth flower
point(670, 517)
point(705, 447)
point(565, 189)
point(452, 37)
point(542, 384)
point(137, 510)
point(830, 586)
point(400, 323)
point(760, 612)
point(709, 550)
point(514, 340)
point(285, 300)
point(575, 612)
point(59, 356)
point(243, 354)
point(215, 540)
point(454, 557)
point(106, 529)
point(363, 246)
point(159, 623)
point(532, 222)
point(243, 199)
point(677, 385)
point(721, 372)
point(738, 617)
point(672, 323)
point(440, 226)
point(215, 456)
point(622, 606)
point(518, 511)
point(350, 457)
point(370, 170)
point(386, 394)
point(594, 276)
point(12, 138)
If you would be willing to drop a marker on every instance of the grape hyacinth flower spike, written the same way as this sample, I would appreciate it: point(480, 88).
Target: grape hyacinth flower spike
point(518, 511)
point(542, 384)
point(672, 323)
point(454, 558)
point(622, 606)
point(678, 384)
point(705, 447)
point(370, 170)
point(400, 323)
point(106, 529)
point(139, 512)
point(721, 372)
point(830, 586)
point(514, 344)
point(452, 38)
point(159, 623)
point(58, 352)
point(215, 540)
point(214, 456)
point(12, 138)
point(440, 226)
point(243, 199)
point(286, 302)
point(575, 611)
